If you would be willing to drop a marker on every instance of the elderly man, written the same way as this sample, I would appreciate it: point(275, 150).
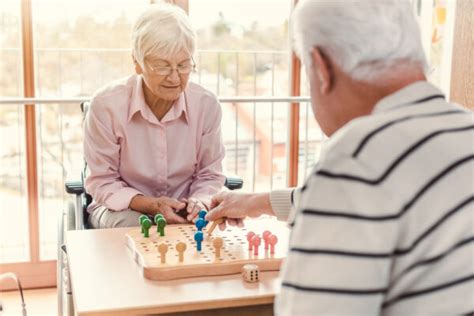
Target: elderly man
point(384, 223)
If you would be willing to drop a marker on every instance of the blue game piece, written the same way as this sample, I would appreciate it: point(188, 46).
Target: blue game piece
point(200, 224)
point(202, 214)
point(198, 237)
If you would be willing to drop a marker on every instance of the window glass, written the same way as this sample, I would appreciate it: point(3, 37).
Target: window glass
point(79, 46)
point(247, 55)
point(14, 239)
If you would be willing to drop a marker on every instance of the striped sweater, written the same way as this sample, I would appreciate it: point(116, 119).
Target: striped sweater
point(384, 224)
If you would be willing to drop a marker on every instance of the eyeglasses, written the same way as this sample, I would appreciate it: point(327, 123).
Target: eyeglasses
point(182, 69)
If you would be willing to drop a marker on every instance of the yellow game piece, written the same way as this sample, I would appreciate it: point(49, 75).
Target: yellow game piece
point(218, 242)
point(163, 249)
point(214, 224)
point(181, 247)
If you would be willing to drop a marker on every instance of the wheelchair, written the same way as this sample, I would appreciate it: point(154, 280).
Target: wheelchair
point(75, 217)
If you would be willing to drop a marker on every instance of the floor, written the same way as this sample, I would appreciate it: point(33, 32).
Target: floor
point(41, 302)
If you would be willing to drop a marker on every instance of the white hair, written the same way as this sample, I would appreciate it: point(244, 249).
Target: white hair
point(162, 30)
point(363, 37)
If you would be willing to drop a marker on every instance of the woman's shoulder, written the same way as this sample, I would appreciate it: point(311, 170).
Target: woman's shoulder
point(114, 94)
point(198, 93)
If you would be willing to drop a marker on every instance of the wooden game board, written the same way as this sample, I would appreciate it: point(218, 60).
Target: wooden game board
point(234, 253)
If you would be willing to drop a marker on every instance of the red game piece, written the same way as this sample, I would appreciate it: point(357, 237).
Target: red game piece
point(249, 239)
point(265, 236)
point(272, 240)
point(255, 243)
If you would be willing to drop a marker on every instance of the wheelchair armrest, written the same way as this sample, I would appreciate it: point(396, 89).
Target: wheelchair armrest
point(77, 187)
point(234, 183)
point(74, 187)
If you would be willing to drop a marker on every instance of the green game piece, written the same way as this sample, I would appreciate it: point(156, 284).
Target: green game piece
point(157, 216)
point(140, 220)
point(146, 224)
point(161, 223)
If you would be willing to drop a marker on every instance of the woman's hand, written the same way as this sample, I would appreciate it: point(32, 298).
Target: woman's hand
point(168, 207)
point(159, 205)
point(193, 208)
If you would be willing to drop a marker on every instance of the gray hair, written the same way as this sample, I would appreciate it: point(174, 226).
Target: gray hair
point(162, 30)
point(363, 37)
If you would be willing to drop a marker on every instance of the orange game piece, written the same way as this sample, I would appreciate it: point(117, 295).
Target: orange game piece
point(163, 249)
point(256, 243)
point(272, 240)
point(217, 243)
point(181, 248)
point(265, 236)
point(250, 235)
point(214, 224)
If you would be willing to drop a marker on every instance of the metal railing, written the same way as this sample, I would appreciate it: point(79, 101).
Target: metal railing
point(233, 100)
point(224, 99)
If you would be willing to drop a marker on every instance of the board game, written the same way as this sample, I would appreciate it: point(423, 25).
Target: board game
point(260, 242)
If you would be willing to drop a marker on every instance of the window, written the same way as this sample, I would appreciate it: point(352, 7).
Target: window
point(247, 55)
point(14, 242)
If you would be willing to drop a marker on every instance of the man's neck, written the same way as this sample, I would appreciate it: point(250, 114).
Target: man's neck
point(361, 97)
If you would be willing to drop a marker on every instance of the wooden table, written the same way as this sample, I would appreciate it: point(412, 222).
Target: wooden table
point(107, 281)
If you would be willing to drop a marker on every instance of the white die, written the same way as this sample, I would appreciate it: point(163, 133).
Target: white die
point(250, 273)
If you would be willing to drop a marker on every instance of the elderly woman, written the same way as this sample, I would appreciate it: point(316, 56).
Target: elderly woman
point(152, 140)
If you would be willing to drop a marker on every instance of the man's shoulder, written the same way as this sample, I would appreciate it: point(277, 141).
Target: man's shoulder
point(368, 137)
point(377, 151)
point(345, 141)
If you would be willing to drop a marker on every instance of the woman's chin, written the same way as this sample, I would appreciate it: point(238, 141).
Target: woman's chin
point(169, 96)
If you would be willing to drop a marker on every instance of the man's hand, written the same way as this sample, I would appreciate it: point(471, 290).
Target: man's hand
point(234, 207)
point(194, 206)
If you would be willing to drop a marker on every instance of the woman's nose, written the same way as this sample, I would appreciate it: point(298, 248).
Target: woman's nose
point(173, 76)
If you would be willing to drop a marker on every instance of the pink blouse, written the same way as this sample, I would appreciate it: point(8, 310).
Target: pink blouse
point(129, 151)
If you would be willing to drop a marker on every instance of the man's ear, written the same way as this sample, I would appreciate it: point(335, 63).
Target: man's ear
point(321, 68)
point(138, 68)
